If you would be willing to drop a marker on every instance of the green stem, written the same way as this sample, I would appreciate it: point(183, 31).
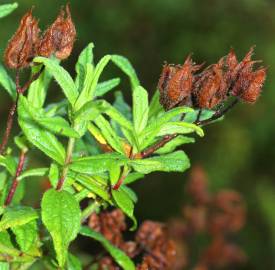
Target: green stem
point(68, 159)
point(89, 210)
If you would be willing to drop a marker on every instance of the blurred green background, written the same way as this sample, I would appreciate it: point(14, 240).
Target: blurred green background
point(237, 153)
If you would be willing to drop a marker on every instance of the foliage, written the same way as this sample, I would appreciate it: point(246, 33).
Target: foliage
point(100, 177)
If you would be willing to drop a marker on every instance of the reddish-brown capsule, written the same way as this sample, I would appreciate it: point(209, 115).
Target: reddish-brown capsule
point(210, 88)
point(23, 45)
point(253, 91)
point(59, 38)
point(176, 83)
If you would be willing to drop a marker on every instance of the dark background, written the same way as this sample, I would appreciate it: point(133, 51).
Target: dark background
point(237, 153)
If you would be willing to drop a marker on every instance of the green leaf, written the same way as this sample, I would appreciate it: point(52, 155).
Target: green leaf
point(9, 163)
point(33, 173)
point(16, 216)
point(92, 109)
point(21, 142)
point(57, 125)
point(174, 162)
point(155, 107)
point(26, 235)
point(7, 82)
point(114, 173)
point(140, 109)
point(97, 163)
point(89, 111)
point(38, 90)
point(4, 265)
point(7, 9)
point(85, 57)
point(36, 135)
point(179, 128)
point(132, 177)
point(131, 194)
point(62, 77)
point(93, 185)
point(192, 116)
point(73, 263)
point(62, 216)
point(151, 131)
point(109, 134)
point(173, 144)
point(124, 64)
point(121, 105)
point(125, 203)
point(91, 81)
point(105, 87)
point(119, 256)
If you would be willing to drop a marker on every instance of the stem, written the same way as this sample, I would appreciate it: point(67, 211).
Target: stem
point(15, 182)
point(149, 151)
point(13, 108)
point(119, 182)
point(152, 149)
point(33, 78)
point(68, 159)
point(8, 127)
point(218, 114)
point(89, 210)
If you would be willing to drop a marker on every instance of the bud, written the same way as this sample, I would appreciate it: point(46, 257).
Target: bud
point(22, 47)
point(59, 38)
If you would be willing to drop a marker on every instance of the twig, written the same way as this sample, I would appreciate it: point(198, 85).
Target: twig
point(15, 182)
point(13, 108)
point(149, 151)
point(218, 114)
point(33, 78)
point(152, 149)
point(8, 127)
point(119, 182)
point(69, 154)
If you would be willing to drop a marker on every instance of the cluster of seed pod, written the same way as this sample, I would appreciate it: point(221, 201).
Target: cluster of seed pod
point(218, 216)
point(27, 42)
point(151, 244)
point(183, 85)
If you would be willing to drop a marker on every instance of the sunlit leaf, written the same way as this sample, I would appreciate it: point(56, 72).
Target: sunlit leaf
point(61, 215)
point(62, 77)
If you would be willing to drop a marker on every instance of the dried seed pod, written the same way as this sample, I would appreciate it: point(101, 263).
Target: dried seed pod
point(197, 186)
point(110, 224)
point(220, 254)
point(22, 47)
point(59, 38)
point(231, 60)
point(107, 263)
point(208, 88)
point(252, 92)
point(153, 238)
point(167, 73)
point(175, 84)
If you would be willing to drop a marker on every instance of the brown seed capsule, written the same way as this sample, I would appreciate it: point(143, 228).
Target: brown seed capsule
point(231, 60)
point(208, 93)
point(59, 38)
point(23, 45)
point(253, 91)
point(167, 73)
point(175, 84)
